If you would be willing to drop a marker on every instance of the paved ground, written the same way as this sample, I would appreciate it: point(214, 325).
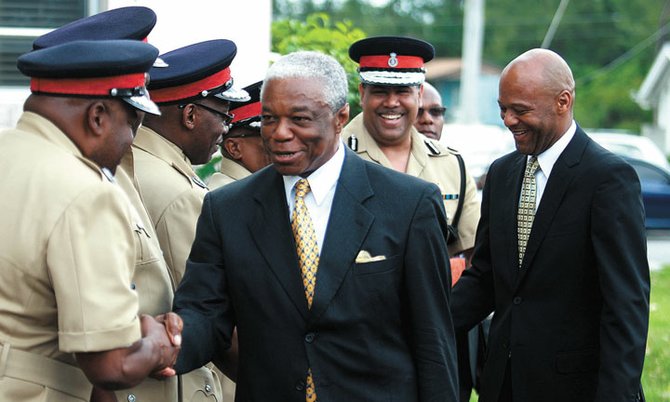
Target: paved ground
point(658, 248)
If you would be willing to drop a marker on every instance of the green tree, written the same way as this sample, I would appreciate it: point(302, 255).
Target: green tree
point(321, 33)
point(595, 37)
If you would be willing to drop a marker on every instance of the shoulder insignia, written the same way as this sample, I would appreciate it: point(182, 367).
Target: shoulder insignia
point(434, 150)
point(352, 142)
point(199, 182)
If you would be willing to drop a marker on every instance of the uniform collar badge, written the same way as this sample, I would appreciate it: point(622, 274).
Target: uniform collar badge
point(199, 182)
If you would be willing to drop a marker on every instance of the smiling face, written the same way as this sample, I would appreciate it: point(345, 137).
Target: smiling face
point(203, 141)
point(299, 130)
point(389, 111)
point(535, 100)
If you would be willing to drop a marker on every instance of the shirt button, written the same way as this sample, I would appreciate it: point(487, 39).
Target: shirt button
point(309, 338)
point(131, 398)
point(517, 300)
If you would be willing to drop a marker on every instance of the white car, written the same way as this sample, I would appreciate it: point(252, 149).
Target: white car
point(630, 145)
point(479, 144)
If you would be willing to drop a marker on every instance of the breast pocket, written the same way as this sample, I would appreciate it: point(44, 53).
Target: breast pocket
point(144, 251)
point(377, 267)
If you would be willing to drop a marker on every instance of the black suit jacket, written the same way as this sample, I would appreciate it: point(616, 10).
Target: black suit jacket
point(378, 331)
point(574, 317)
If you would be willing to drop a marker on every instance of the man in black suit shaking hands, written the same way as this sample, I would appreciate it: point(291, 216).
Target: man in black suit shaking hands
point(334, 270)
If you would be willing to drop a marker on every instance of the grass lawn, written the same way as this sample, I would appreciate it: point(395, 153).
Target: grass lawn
point(656, 375)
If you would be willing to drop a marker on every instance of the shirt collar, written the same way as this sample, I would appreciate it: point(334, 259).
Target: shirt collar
point(548, 158)
point(322, 180)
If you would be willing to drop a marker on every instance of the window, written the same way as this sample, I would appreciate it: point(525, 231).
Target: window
point(21, 21)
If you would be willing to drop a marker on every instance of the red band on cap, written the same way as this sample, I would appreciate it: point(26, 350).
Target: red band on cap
point(86, 86)
point(191, 89)
point(246, 111)
point(382, 61)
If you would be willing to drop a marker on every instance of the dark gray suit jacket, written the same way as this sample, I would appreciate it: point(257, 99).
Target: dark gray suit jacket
point(378, 331)
point(574, 318)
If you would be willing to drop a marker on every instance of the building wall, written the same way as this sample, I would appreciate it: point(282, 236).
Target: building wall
point(247, 23)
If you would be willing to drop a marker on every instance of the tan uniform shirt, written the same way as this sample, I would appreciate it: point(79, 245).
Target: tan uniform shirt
point(155, 287)
point(434, 163)
point(230, 171)
point(68, 244)
point(172, 194)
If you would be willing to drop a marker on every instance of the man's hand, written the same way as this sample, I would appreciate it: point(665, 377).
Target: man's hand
point(165, 332)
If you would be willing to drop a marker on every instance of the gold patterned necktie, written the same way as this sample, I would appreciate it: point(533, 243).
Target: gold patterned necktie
point(526, 212)
point(308, 257)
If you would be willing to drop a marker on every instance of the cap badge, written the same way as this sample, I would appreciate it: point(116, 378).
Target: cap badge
point(393, 60)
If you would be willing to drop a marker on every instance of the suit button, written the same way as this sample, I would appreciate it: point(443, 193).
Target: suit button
point(505, 345)
point(208, 388)
point(309, 338)
point(131, 398)
point(300, 385)
point(517, 300)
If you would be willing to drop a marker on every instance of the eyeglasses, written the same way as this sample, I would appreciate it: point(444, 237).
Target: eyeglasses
point(245, 135)
point(226, 117)
point(433, 111)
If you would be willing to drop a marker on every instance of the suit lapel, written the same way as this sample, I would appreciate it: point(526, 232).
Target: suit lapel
point(271, 230)
point(348, 225)
point(561, 175)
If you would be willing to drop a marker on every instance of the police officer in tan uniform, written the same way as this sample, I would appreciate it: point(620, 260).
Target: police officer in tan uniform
point(242, 147)
point(151, 279)
point(392, 73)
point(194, 93)
point(69, 239)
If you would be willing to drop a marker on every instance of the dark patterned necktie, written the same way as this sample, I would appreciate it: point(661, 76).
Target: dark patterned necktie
point(526, 212)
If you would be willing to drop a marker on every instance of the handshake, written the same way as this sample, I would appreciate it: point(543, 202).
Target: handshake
point(165, 331)
point(152, 356)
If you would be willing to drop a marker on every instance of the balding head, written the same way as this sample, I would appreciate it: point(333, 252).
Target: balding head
point(545, 69)
point(536, 97)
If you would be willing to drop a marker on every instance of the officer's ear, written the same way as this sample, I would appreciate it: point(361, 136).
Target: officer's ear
point(188, 115)
point(232, 146)
point(97, 118)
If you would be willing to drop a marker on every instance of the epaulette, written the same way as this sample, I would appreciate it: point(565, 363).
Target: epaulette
point(352, 142)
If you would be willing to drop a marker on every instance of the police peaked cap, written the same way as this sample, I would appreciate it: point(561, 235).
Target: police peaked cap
point(391, 60)
point(100, 69)
point(194, 71)
point(120, 23)
point(249, 112)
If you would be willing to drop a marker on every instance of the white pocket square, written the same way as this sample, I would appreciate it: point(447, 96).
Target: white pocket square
point(364, 256)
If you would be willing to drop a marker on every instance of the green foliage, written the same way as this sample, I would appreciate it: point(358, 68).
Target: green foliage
point(591, 36)
point(209, 168)
point(321, 33)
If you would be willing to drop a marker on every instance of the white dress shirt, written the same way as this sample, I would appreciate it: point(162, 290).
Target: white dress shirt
point(547, 159)
point(319, 200)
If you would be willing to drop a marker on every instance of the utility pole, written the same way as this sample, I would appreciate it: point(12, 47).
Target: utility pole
point(473, 39)
point(558, 15)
